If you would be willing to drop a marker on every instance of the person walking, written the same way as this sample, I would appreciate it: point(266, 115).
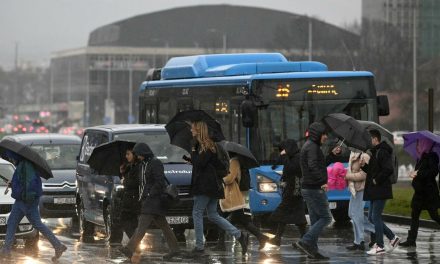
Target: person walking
point(234, 204)
point(207, 188)
point(130, 205)
point(151, 192)
point(291, 209)
point(314, 188)
point(378, 190)
point(356, 184)
point(26, 190)
point(426, 194)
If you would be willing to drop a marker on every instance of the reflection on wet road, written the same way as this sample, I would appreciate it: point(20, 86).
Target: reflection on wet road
point(154, 247)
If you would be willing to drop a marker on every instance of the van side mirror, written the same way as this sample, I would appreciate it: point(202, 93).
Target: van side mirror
point(248, 113)
point(383, 107)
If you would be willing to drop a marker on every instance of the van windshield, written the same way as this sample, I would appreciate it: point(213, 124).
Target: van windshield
point(58, 156)
point(6, 172)
point(159, 142)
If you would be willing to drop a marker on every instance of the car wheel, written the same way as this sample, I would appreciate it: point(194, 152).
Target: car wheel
point(112, 230)
point(86, 228)
point(31, 244)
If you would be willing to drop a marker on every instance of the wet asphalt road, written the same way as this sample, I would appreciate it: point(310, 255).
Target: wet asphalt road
point(331, 244)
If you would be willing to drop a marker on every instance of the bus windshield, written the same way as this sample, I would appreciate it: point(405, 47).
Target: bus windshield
point(291, 105)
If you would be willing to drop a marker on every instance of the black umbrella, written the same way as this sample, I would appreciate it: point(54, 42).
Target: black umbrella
point(179, 129)
point(245, 156)
point(29, 154)
point(108, 157)
point(350, 130)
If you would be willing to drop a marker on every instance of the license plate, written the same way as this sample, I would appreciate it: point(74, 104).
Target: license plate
point(332, 205)
point(175, 220)
point(64, 200)
point(2, 221)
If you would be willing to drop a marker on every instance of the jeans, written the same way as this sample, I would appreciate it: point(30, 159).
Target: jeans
point(319, 213)
point(19, 210)
point(202, 202)
point(375, 216)
point(143, 225)
point(359, 219)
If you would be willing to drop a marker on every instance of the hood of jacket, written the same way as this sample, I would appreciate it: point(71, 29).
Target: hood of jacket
point(290, 146)
point(316, 129)
point(383, 145)
point(142, 149)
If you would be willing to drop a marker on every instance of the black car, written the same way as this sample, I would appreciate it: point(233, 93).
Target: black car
point(97, 196)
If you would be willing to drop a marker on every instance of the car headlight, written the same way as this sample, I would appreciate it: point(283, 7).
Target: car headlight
point(23, 228)
point(119, 187)
point(266, 185)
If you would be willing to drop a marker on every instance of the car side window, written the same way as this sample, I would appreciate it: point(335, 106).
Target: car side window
point(90, 141)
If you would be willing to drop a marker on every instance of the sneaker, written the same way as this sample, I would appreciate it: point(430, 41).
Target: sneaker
point(244, 242)
point(376, 250)
point(171, 255)
point(59, 252)
point(306, 249)
point(394, 243)
point(126, 251)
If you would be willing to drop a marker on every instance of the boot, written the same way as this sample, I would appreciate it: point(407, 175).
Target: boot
point(276, 241)
point(410, 241)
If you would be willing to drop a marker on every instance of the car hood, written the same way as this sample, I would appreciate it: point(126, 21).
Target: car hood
point(61, 177)
point(178, 174)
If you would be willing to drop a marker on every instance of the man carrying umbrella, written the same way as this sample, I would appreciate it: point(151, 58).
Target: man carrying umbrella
point(27, 190)
point(426, 194)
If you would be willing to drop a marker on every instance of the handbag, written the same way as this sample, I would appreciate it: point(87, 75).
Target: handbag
point(171, 194)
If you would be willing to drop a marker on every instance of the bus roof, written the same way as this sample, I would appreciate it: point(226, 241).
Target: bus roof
point(240, 69)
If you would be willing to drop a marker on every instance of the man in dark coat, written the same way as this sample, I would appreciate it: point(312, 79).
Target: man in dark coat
point(291, 209)
point(426, 194)
point(378, 189)
point(314, 188)
point(151, 192)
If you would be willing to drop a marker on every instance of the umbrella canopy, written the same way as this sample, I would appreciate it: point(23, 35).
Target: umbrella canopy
point(410, 142)
point(108, 157)
point(245, 156)
point(179, 130)
point(29, 154)
point(349, 129)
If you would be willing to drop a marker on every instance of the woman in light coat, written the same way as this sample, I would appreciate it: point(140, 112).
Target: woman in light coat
point(356, 184)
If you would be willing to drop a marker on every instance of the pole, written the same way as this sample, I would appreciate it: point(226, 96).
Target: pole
point(224, 38)
point(51, 88)
point(415, 67)
point(130, 93)
point(167, 47)
point(69, 82)
point(16, 76)
point(87, 95)
point(310, 39)
point(431, 109)
point(109, 72)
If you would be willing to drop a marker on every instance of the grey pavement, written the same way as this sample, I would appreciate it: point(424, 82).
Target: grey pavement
point(331, 244)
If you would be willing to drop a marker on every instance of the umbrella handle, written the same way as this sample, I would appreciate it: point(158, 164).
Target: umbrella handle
point(7, 190)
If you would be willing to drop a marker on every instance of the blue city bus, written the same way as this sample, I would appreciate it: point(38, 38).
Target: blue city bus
point(260, 100)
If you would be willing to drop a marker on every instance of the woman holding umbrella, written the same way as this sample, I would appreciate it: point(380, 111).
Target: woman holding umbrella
point(130, 205)
point(291, 209)
point(426, 193)
point(207, 188)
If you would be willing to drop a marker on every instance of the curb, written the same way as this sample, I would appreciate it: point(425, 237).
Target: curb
point(403, 220)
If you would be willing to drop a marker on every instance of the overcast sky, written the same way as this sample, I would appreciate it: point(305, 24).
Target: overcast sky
point(44, 26)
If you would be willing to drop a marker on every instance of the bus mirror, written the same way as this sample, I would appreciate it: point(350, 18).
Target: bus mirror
point(383, 107)
point(248, 111)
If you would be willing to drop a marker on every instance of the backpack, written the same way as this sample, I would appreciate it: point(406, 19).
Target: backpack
point(222, 168)
point(245, 180)
point(395, 175)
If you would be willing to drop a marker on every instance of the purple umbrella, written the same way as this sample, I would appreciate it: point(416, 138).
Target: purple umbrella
point(410, 142)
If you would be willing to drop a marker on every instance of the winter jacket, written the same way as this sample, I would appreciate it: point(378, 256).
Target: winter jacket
point(356, 180)
point(152, 181)
point(204, 180)
point(26, 182)
point(426, 193)
point(234, 198)
point(312, 160)
point(130, 195)
point(379, 170)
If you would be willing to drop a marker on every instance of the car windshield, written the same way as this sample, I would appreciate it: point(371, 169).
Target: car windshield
point(6, 172)
point(59, 157)
point(159, 142)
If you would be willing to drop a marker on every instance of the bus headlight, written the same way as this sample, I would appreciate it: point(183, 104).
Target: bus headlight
point(266, 185)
